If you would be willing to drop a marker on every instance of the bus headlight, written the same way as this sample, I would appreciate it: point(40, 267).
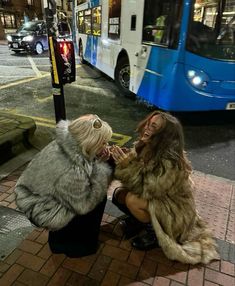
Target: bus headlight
point(197, 78)
point(28, 38)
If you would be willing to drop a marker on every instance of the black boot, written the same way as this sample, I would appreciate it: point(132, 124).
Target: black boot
point(122, 207)
point(130, 225)
point(146, 241)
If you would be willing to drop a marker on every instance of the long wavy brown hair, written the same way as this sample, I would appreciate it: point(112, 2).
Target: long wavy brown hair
point(167, 142)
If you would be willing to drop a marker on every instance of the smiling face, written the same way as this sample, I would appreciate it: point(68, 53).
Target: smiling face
point(151, 127)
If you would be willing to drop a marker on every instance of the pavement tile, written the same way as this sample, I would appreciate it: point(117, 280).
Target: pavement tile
point(196, 276)
point(161, 281)
point(230, 235)
point(30, 261)
point(125, 244)
point(52, 264)
point(79, 265)
point(17, 283)
point(228, 268)
point(124, 268)
point(232, 207)
point(60, 277)
point(216, 217)
point(158, 256)
point(171, 273)
point(10, 198)
point(43, 237)
point(11, 275)
point(11, 259)
point(174, 283)
point(116, 262)
point(4, 188)
point(30, 246)
point(208, 283)
point(110, 278)
point(209, 190)
point(45, 252)
point(215, 265)
point(147, 271)
point(11, 190)
point(8, 183)
point(77, 279)
point(4, 204)
point(4, 267)
point(220, 278)
point(29, 277)
point(136, 257)
point(12, 206)
point(100, 267)
point(115, 252)
point(33, 235)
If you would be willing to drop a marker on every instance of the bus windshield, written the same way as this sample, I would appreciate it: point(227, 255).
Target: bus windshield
point(211, 31)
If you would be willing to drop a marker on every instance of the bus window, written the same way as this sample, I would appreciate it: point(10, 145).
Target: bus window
point(211, 30)
point(80, 22)
point(87, 21)
point(114, 19)
point(96, 21)
point(162, 22)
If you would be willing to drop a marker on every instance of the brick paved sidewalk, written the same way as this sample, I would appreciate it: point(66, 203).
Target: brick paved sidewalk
point(116, 262)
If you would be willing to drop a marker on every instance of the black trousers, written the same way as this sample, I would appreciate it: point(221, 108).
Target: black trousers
point(80, 236)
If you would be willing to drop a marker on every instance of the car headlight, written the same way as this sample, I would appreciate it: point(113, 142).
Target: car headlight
point(9, 38)
point(28, 38)
point(197, 78)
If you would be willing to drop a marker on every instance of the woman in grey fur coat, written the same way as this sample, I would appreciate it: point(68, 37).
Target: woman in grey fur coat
point(64, 187)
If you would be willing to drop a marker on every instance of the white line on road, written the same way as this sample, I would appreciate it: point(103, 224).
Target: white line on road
point(34, 67)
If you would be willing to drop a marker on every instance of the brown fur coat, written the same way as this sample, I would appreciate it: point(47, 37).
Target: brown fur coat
point(180, 231)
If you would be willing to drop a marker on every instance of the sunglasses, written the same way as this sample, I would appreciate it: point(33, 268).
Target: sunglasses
point(96, 123)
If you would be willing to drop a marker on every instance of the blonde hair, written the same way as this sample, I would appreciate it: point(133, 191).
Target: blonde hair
point(90, 132)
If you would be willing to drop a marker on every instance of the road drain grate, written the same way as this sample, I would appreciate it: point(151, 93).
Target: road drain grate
point(14, 227)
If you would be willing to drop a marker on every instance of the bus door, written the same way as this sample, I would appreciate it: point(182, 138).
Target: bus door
point(131, 33)
point(158, 54)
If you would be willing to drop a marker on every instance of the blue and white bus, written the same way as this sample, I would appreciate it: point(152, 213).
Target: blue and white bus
point(177, 55)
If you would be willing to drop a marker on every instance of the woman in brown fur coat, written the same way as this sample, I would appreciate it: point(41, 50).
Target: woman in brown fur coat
point(157, 188)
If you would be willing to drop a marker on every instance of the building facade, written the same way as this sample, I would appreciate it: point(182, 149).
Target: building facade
point(14, 12)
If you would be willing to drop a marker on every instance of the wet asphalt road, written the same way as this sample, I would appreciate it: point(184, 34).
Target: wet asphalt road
point(25, 88)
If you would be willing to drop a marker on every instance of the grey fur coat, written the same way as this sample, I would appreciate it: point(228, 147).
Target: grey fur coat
point(60, 183)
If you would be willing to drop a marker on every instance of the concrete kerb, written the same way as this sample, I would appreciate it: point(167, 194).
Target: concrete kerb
point(15, 134)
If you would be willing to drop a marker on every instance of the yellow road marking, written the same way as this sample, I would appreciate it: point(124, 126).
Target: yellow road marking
point(22, 81)
point(30, 78)
point(117, 138)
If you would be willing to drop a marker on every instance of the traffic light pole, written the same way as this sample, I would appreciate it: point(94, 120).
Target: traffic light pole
point(58, 88)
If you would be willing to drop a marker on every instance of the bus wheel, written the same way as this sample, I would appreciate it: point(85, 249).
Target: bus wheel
point(80, 53)
point(122, 77)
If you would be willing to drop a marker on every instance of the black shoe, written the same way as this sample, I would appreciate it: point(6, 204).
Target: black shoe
point(131, 226)
point(146, 241)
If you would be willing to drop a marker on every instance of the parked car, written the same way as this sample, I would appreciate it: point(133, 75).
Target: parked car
point(32, 37)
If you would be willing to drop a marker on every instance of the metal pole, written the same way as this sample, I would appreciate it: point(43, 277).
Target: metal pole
point(52, 30)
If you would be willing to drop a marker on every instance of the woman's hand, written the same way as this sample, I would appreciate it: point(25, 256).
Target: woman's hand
point(104, 155)
point(119, 154)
